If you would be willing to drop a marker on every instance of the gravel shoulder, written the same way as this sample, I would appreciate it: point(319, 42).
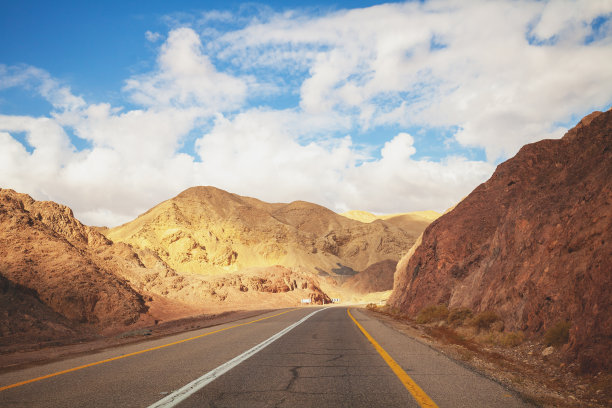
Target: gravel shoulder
point(541, 378)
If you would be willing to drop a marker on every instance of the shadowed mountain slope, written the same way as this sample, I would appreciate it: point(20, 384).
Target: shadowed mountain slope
point(56, 265)
point(533, 243)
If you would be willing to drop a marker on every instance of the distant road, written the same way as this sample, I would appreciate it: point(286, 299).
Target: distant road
point(325, 360)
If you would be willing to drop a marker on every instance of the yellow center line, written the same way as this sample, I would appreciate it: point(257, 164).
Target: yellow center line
point(419, 395)
point(6, 387)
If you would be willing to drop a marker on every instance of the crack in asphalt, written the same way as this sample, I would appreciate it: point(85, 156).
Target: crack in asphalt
point(336, 358)
point(294, 377)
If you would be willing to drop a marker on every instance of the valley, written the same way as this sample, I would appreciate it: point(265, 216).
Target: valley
point(522, 263)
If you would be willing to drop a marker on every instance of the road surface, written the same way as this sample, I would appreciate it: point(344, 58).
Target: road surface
point(287, 358)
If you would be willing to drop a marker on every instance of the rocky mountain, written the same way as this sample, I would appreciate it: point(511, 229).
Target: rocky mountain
point(533, 243)
point(25, 319)
point(413, 222)
point(203, 251)
point(69, 276)
point(205, 230)
point(55, 266)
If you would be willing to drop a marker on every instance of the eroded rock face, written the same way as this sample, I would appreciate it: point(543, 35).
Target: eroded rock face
point(533, 243)
point(49, 254)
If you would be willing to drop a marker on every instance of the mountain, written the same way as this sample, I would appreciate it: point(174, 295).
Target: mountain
point(417, 216)
point(54, 267)
point(413, 222)
point(204, 251)
point(533, 243)
point(205, 230)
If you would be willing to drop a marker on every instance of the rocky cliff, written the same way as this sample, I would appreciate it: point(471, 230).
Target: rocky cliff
point(533, 243)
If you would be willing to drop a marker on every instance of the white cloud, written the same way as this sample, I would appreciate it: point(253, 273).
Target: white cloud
point(153, 36)
point(257, 150)
point(400, 148)
point(569, 20)
point(468, 65)
point(501, 73)
point(186, 78)
point(49, 88)
point(152, 133)
point(216, 15)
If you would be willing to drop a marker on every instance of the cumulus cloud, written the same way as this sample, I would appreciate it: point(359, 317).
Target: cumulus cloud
point(257, 150)
point(478, 66)
point(185, 78)
point(274, 108)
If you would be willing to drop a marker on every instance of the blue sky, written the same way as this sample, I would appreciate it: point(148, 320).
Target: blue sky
point(112, 107)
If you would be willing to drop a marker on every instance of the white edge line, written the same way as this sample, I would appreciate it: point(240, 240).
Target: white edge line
point(184, 392)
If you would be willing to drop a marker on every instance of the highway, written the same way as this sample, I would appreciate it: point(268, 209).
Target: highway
point(307, 357)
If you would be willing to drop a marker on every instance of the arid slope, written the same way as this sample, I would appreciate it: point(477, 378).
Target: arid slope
point(533, 243)
point(62, 280)
point(205, 230)
point(377, 277)
point(203, 251)
point(51, 262)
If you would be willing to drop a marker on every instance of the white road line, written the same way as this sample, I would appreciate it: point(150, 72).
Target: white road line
point(175, 398)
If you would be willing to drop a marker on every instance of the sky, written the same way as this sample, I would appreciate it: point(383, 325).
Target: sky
point(112, 107)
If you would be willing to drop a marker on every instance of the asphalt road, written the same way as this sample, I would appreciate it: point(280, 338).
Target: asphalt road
point(325, 361)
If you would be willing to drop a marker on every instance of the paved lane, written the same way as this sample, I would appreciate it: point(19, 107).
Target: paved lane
point(326, 360)
point(139, 380)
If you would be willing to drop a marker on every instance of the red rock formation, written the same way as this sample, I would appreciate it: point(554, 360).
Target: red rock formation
point(533, 243)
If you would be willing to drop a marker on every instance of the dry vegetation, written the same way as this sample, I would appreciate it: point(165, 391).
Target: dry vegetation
point(534, 367)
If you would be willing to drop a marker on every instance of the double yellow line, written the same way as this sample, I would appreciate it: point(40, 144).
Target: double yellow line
point(108, 360)
point(419, 395)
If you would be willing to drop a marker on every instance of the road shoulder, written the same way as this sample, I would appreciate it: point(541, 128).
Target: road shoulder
point(446, 381)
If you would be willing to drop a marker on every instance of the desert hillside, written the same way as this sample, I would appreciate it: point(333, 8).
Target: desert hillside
point(365, 216)
point(531, 244)
point(55, 266)
point(204, 251)
point(413, 222)
point(59, 277)
point(208, 231)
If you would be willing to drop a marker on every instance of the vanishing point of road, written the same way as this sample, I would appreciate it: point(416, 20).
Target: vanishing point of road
point(307, 357)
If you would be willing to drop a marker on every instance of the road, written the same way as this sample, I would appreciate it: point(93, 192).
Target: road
point(294, 358)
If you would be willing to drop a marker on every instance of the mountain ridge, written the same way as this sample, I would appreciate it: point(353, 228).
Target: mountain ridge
point(207, 230)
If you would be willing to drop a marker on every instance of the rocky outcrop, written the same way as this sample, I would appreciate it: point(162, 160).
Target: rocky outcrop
point(205, 230)
point(533, 243)
point(47, 253)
